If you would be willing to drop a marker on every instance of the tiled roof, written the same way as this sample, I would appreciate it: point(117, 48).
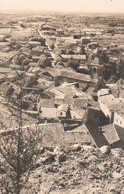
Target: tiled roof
point(80, 103)
point(46, 103)
point(48, 113)
point(2, 76)
point(63, 107)
point(110, 133)
point(69, 98)
point(81, 57)
point(53, 71)
point(113, 133)
point(75, 75)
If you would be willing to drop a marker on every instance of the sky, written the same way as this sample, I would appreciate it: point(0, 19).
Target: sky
point(99, 6)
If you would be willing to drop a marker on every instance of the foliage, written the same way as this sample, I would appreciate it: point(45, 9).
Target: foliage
point(121, 69)
point(18, 147)
point(73, 64)
point(44, 61)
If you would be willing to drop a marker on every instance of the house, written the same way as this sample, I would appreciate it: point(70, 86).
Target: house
point(77, 114)
point(5, 70)
point(52, 134)
point(93, 115)
point(103, 92)
point(69, 98)
point(93, 45)
point(73, 42)
point(113, 109)
point(69, 76)
point(36, 70)
point(80, 103)
point(78, 58)
point(79, 135)
point(33, 44)
point(50, 73)
point(114, 134)
point(2, 77)
point(48, 115)
point(59, 96)
point(37, 51)
point(48, 103)
point(35, 59)
point(30, 80)
point(59, 32)
point(33, 64)
point(12, 76)
point(63, 111)
point(77, 36)
point(66, 87)
point(117, 90)
point(45, 84)
point(86, 40)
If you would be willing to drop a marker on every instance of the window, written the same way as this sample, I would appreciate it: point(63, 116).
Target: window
point(94, 70)
point(120, 122)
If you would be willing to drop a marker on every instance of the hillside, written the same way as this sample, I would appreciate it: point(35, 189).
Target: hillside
point(78, 170)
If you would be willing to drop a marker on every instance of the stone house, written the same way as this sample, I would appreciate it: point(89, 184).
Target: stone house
point(114, 134)
point(112, 108)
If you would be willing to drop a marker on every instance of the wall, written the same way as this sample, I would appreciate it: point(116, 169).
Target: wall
point(118, 120)
point(61, 113)
point(105, 109)
point(93, 116)
point(78, 137)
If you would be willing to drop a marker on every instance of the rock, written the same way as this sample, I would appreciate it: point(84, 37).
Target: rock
point(116, 152)
point(57, 150)
point(76, 147)
point(62, 158)
point(88, 147)
point(49, 159)
point(116, 175)
point(105, 149)
point(92, 158)
point(52, 169)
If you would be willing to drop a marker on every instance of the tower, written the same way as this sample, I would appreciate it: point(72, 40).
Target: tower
point(96, 69)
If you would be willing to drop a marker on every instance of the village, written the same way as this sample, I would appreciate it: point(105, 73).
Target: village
point(61, 103)
point(69, 79)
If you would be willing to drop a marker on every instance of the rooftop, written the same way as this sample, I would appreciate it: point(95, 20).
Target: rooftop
point(49, 113)
point(75, 75)
point(81, 57)
point(113, 133)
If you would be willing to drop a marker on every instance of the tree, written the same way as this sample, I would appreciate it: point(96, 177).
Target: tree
point(73, 64)
point(18, 147)
point(103, 58)
point(110, 72)
point(44, 61)
point(121, 69)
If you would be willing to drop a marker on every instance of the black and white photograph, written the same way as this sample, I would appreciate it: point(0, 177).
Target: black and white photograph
point(61, 96)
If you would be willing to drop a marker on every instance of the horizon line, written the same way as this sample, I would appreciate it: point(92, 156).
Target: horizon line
point(56, 11)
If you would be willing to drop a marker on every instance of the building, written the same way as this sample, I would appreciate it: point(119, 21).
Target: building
point(37, 51)
point(114, 134)
point(78, 58)
point(48, 115)
point(96, 69)
point(113, 109)
point(69, 76)
point(86, 40)
point(79, 135)
point(63, 111)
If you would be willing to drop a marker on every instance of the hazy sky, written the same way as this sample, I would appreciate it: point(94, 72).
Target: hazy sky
point(63, 5)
